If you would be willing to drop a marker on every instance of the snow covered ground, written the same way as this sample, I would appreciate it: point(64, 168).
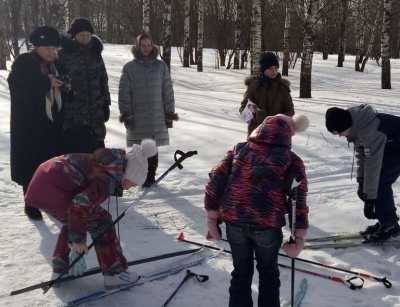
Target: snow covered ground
point(208, 104)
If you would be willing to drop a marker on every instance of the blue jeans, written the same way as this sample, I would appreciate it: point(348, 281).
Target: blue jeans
point(385, 207)
point(245, 241)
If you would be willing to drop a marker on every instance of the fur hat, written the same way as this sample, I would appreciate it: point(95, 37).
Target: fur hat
point(267, 59)
point(337, 120)
point(297, 123)
point(45, 36)
point(79, 25)
point(136, 168)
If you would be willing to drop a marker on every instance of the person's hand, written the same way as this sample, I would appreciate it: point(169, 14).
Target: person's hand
point(213, 224)
point(360, 190)
point(293, 249)
point(260, 115)
point(169, 118)
point(55, 82)
point(106, 110)
point(76, 249)
point(369, 212)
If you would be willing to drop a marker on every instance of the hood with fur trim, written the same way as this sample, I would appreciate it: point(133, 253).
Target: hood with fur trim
point(250, 79)
point(138, 56)
point(69, 45)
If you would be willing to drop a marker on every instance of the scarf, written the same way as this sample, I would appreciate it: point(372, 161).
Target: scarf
point(264, 79)
point(54, 94)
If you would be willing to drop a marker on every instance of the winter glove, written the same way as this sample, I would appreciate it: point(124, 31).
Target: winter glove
point(169, 118)
point(293, 249)
point(213, 222)
point(260, 115)
point(106, 110)
point(369, 206)
point(360, 188)
point(78, 267)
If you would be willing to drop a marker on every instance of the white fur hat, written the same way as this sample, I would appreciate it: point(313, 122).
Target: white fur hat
point(136, 168)
point(297, 123)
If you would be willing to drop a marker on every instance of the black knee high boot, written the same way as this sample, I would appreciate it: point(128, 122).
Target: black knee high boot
point(151, 170)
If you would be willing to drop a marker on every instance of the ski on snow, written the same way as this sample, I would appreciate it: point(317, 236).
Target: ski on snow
point(298, 298)
point(102, 293)
point(97, 270)
point(394, 243)
point(348, 236)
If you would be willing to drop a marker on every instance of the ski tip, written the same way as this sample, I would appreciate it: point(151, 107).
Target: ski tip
point(209, 236)
point(181, 237)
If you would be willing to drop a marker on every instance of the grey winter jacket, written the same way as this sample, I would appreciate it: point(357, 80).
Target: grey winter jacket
point(374, 134)
point(145, 97)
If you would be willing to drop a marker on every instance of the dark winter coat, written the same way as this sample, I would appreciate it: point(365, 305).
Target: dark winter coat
point(275, 98)
point(145, 97)
point(248, 185)
point(74, 184)
point(85, 66)
point(374, 135)
point(34, 137)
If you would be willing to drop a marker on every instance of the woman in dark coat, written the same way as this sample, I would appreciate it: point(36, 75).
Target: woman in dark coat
point(36, 109)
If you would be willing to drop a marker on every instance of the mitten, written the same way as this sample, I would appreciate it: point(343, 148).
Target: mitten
point(293, 249)
point(106, 110)
point(78, 267)
point(360, 189)
point(260, 115)
point(169, 118)
point(369, 212)
point(212, 223)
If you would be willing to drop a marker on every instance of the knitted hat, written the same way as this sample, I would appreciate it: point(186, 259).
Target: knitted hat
point(337, 120)
point(266, 60)
point(45, 36)
point(136, 168)
point(79, 25)
point(297, 123)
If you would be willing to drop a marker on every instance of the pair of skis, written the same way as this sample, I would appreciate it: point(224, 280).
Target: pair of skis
point(345, 241)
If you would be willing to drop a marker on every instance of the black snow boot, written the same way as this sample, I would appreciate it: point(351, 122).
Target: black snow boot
point(33, 213)
point(384, 234)
point(370, 230)
point(151, 171)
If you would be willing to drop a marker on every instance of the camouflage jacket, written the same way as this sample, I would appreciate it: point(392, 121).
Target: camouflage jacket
point(89, 79)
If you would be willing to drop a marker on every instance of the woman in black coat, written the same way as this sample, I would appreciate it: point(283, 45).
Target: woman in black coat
point(36, 109)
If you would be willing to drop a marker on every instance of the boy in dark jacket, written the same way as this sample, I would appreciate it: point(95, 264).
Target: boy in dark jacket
point(376, 138)
point(247, 191)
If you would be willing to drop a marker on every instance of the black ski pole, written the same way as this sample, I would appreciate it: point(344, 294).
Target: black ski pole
point(200, 278)
point(292, 240)
point(176, 164)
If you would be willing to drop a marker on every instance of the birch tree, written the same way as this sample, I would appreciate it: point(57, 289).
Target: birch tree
point(342, 38)
point(3, 37)
point(308, 48)
point(167, 33)
point(359, 34)
point(286, 40)
point(186, 35)
point(255, 36)
point(146, 17)
point(238, 23)
point(371, 43)
point(385, 40)
point(200, 36)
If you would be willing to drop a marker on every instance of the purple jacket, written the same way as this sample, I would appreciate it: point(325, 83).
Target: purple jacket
point(248, 185)
point(75, 183)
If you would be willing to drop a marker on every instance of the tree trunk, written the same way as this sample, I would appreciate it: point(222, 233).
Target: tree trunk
point(286, 39)
point(3, 38)
point(186, 34)
point(371, 43)
point(342, 38)
point(200, 37)
point(385, 40)
point(255, 36)
point(167, 33)
point(146, 17)
point(308, 48)
point(238, 24)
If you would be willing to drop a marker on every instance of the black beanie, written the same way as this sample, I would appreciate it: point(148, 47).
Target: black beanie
point(337, 120)
point(79, 25)
point(45, 36)
point(266, 60)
